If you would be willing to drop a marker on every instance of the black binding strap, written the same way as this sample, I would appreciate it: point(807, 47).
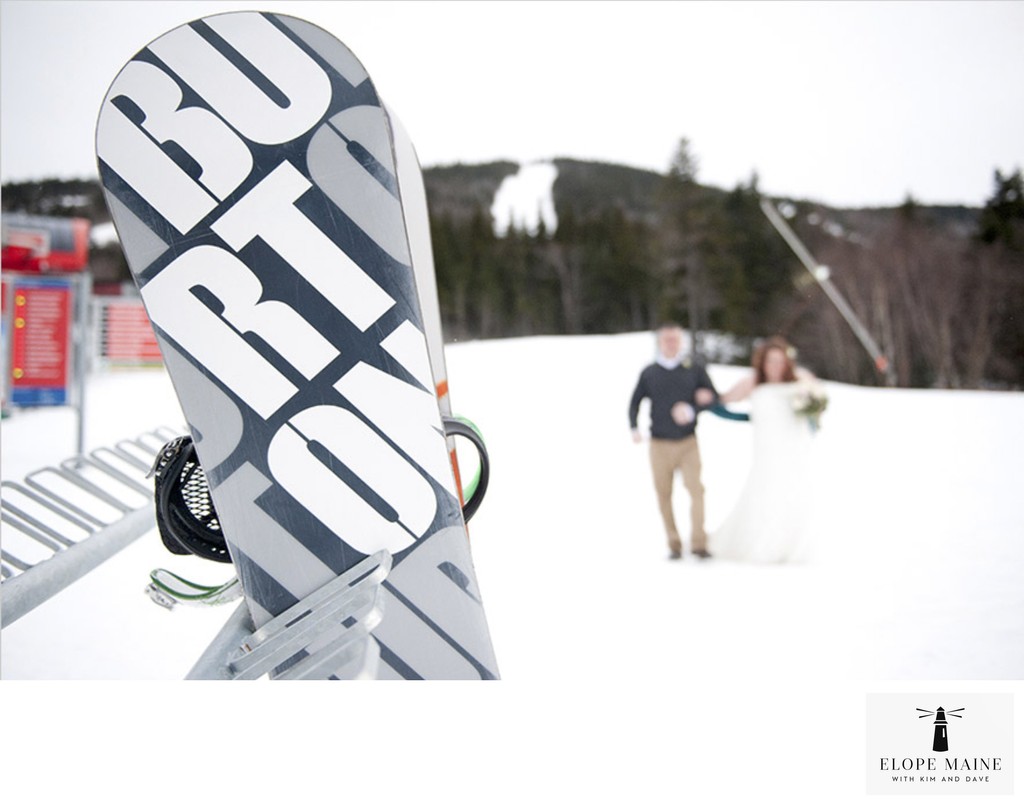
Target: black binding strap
point(184, 511)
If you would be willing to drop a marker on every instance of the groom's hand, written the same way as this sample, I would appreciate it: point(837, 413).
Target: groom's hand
point(683, 413)
point(704, 397)
point(637, 438)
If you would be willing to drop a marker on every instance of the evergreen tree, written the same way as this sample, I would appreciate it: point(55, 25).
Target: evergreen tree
point(681, 270)
point(1001, 229)
point(1002, 219)
point(754, 268)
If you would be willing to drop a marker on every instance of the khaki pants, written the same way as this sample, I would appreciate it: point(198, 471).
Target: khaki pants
point(667, 456)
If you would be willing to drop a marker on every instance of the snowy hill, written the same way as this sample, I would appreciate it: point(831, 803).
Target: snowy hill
point(918, 574)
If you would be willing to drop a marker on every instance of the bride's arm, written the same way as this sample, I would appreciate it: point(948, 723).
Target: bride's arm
point(738, 392)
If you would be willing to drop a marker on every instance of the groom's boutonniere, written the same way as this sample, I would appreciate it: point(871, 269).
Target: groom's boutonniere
point(809, 401)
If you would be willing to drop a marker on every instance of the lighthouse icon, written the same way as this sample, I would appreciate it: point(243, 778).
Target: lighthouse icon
point(940, 741)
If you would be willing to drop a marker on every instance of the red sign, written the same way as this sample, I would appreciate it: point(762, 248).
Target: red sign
point(39, 243)
point(127, 334)
point(40, 342)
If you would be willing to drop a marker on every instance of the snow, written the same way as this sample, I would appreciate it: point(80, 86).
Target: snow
point(103, 234)
point(625, 675)
point(525, 199)
point(918, 544)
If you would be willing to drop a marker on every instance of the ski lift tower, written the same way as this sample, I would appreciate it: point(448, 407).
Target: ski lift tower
point(821, 275)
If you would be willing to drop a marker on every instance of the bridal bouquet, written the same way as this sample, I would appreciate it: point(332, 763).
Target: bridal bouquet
point(809, 401)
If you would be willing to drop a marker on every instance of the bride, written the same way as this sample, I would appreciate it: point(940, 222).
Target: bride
point(768, 521)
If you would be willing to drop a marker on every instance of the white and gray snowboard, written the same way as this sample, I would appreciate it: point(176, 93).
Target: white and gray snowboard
point(259, 188)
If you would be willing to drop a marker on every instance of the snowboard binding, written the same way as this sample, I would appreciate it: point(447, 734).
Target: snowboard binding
point(185, 514)
point(187, 519)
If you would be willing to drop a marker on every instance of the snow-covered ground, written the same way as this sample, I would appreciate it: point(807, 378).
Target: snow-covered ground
point(920, 565)
point(609, 652)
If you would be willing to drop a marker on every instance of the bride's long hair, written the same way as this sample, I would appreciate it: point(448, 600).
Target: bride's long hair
point(761, 353)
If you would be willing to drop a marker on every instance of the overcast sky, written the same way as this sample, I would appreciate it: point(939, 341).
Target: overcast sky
point(851, 104)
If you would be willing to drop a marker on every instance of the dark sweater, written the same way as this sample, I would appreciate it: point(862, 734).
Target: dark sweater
point(664, 388)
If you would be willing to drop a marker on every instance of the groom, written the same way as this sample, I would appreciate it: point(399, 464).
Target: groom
point(677, 391)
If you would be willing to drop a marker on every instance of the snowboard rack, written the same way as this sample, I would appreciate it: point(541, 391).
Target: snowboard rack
point(63, 521)
point(326, 635)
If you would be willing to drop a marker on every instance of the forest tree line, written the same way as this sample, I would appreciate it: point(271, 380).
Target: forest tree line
point(941, 289)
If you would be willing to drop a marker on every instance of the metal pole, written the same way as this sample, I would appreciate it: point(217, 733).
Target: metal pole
point(5, 345)
point(821, 277)
point(22, 593)
point(214, 662)
point(83, 287)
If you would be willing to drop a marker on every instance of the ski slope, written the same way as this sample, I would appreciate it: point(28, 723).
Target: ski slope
point(626, 677)
point(525, 200)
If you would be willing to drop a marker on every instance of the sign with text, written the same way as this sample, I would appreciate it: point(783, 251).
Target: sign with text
point(40, 356)
point(126, 336)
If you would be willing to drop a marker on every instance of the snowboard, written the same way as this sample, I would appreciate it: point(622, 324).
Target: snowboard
point(417, 222)
point(272, 213)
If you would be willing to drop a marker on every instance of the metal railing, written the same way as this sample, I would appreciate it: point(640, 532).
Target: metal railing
point(61, 522)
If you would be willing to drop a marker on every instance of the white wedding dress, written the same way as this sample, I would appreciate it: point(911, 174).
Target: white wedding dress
point(769, 521)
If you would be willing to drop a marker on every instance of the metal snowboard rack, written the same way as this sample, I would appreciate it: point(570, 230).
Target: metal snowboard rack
point(62, 522)
point(324, 636)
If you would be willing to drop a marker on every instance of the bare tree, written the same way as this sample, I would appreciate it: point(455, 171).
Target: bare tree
point(926, 294)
